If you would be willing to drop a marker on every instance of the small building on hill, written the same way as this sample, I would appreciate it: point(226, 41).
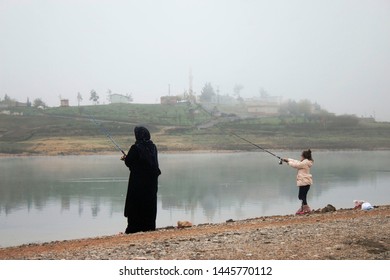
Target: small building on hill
point(263, 109)
point(64, 103)
point(170, 100)
point(119, 98)
point(263, 106)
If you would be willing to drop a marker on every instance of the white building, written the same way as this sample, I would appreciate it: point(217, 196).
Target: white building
point(264, 106)
point(119, 98)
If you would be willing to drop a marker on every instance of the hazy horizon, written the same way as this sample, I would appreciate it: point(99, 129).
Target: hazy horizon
point(335, 53)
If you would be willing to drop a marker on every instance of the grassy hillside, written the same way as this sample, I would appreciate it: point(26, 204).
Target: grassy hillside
point(152, 114)
point(36, 128)
point(331, 135)
point(72, 131)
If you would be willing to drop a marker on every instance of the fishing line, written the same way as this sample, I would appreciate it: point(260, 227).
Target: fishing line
point(102, 129)
point(244, 139)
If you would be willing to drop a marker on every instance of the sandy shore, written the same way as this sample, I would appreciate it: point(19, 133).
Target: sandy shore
point(342, 234)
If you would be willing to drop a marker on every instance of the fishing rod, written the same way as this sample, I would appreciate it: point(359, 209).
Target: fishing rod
point(244, 139)
point(102, 129)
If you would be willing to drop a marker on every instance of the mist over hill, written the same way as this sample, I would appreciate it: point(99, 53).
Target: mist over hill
point(181, 127)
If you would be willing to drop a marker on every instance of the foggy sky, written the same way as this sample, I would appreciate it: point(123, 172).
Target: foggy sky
point(336, 53)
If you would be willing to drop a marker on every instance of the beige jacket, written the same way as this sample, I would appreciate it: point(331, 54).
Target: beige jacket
point(304, 177)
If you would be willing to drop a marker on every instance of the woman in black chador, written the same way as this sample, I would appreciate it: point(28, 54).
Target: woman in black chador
point(141, 198)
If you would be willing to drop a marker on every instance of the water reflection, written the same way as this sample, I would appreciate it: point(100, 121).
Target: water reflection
point(36, 182)
point(71, 197)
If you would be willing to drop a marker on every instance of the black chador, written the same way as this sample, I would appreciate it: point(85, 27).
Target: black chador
point(141, 198)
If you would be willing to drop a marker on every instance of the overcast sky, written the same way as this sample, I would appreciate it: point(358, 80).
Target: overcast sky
point(334, 52)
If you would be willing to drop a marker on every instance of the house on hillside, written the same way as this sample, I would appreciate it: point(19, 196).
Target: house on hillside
point(264, 105)
point(169, 100)
point(20, 104)
point(119, 98)
point(263, 109)
point(64, 103)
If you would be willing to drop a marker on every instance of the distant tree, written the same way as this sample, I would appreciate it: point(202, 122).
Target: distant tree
point(28, 102)
point(8, 100)
point(346, 121)
point(207, 93)
point(38, 103)
point(305, 108)
point(94, 97)
point(130, 97)
point(237, 89)
point(263, 93)
point(289, 108)
point(79, 98)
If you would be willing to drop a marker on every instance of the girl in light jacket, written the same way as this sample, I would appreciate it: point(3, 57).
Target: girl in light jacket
point(304, 178)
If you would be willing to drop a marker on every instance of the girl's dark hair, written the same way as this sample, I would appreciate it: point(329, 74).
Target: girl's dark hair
point(307, 155)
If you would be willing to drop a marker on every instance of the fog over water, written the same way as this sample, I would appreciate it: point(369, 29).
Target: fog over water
point(54, 198)
point(335, 53)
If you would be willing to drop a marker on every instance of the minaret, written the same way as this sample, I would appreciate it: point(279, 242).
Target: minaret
point(190, 79)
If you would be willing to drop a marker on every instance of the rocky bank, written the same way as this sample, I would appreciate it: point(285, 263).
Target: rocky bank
point(338, 235)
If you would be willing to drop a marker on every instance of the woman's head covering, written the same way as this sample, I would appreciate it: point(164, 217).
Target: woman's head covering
point(141, 133)
point(146, 148)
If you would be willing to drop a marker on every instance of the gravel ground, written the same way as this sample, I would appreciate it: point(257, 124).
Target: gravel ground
point(343, 234)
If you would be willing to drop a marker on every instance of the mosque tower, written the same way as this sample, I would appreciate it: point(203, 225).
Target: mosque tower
point(190, 91)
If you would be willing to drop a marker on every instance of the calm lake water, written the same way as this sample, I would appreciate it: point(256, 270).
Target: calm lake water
point(56, 198)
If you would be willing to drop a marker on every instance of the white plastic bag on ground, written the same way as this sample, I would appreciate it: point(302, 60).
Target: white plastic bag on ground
point(367, 206)
point(363, 205)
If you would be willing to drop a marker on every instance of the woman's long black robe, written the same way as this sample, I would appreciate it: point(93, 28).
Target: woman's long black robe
point(141, 198)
